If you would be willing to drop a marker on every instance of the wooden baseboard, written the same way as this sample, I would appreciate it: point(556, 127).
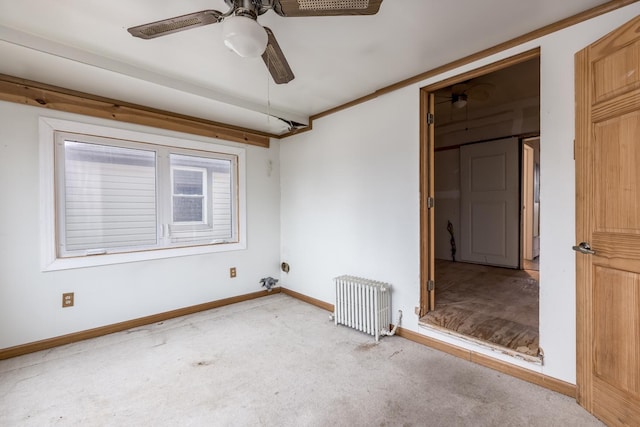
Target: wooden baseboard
point(309, 300)
point(46, 344)
point(506, 368)
point(472, 356)
point(489, 362)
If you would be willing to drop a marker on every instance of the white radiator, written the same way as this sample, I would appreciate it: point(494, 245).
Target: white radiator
point(363, 304)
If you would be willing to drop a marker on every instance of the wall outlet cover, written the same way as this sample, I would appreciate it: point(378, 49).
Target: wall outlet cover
point(67, 299)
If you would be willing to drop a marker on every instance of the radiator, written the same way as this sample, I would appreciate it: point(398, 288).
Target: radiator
point(363, 304)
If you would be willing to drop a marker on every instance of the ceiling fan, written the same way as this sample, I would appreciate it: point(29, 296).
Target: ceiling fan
point(461, 93)
point(245, 36)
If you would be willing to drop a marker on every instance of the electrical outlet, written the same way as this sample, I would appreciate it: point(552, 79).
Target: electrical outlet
point(232, 272)
point(67, 299)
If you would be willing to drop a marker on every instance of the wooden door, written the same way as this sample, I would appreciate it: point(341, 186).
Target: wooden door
point(490, 203)
point(608, 219)
point(527, 202)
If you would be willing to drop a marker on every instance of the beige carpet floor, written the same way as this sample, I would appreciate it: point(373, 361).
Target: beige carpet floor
point(274, 361)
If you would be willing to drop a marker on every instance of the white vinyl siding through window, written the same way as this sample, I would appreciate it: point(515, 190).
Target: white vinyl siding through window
point(108, 198)
point(202, 199)
point(115, 196)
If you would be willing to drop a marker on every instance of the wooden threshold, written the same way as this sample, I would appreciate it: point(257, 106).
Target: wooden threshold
point(486, 344)
point(46, 344)
point(36, 94)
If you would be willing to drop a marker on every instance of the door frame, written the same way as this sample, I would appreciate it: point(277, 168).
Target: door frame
point(534, 199)
point(427, 145)
point(527, 173)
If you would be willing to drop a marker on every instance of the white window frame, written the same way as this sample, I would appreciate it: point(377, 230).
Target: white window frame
point(49, 259)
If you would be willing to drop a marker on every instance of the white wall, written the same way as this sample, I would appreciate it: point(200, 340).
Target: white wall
point(350, 202)
point(30, 300)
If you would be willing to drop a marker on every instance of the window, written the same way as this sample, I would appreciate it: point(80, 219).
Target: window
point(201, 198)
point(107, 197)
point(189, 199)
point(125, 196)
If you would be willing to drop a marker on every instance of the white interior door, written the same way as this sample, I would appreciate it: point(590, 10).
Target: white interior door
point(490, 203)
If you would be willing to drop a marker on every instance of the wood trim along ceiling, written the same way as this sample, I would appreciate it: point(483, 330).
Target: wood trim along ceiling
point(549, 29)
point(14, 89)
point(497, 365)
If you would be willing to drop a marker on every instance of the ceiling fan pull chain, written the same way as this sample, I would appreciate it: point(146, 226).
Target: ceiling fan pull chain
point(268, 91)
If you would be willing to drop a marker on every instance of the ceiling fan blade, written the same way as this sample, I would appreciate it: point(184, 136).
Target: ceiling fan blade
point(173, 25)
point(326, 7)
point(480, 91)
point(459, 88)
point(275, 61)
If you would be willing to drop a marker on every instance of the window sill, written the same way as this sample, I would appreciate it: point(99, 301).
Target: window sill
point(121, 258)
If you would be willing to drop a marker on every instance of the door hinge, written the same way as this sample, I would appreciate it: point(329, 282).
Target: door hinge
point(431, 285)
point(430, 202)
point(429, 118)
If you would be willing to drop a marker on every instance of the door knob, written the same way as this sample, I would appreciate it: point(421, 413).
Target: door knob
point(584, 248)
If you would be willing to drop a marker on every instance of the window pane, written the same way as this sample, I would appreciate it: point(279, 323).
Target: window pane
point(211, 214)
point(110, 197)
point(187, 209)
point(188, 182)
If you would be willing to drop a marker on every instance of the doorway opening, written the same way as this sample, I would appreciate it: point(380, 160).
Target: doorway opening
point(480, 222)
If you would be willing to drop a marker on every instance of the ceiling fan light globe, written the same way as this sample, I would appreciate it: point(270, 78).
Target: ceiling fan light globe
point(459, 101)
point(244, 36)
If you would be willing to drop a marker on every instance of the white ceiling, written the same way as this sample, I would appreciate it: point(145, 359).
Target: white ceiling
point(83, 45)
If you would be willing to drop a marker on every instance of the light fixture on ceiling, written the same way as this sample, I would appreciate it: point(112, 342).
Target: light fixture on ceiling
point(244, 36)
point(459, 100)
